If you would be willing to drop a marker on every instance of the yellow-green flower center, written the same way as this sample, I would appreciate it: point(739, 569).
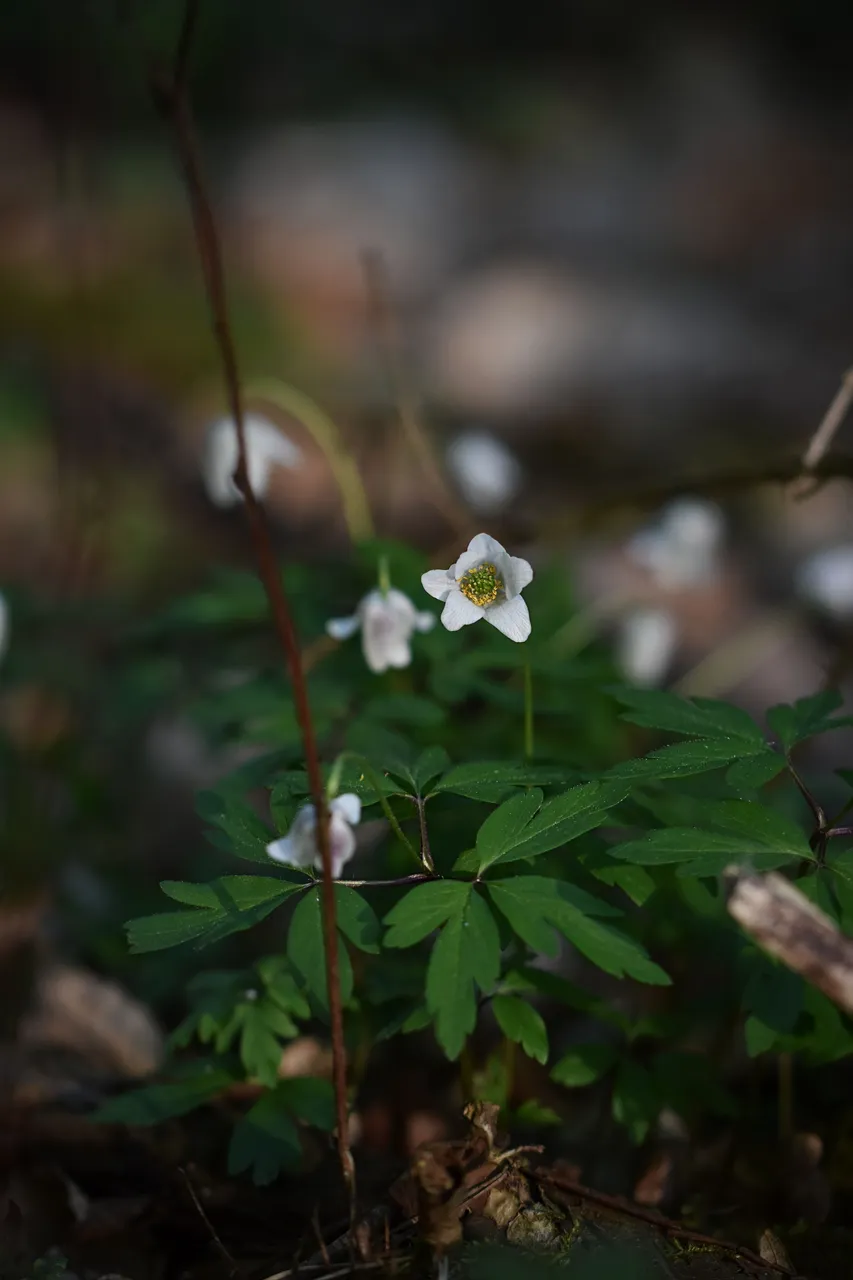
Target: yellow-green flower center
point(481, 585)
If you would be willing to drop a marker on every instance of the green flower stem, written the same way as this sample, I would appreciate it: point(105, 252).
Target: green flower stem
point(325, 434)
point(528, 712)
point(387, 810)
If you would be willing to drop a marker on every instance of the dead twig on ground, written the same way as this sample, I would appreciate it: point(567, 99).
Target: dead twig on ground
point(782, 920)
point(824, 436)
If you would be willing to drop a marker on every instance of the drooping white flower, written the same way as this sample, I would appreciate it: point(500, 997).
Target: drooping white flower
point(486, 582)
point(645, 645)
point(387, 620)
point(681, 549)
point(484, 469)
point(825, 580)
point(4, 626)
point(266, 447)
point(299, 847)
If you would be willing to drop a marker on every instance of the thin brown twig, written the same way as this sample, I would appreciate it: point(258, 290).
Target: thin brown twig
point(669, 1228)
point(824, 436)
point(171, 95)
point(387, 331)
point(233, 1269)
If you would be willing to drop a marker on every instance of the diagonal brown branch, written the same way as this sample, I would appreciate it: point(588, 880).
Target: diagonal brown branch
point(171, 96)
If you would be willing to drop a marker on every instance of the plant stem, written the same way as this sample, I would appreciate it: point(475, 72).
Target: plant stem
point(324, 433)
point(785, 1068)
point(528, 712)
point(172, 97)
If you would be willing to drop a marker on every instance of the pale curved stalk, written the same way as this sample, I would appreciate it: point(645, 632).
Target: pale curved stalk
point(326, 435)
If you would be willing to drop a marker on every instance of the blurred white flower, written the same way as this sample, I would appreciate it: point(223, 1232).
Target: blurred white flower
point(485, 470)
point(299, 847)
point(681, 549)
point(387, 620)
point(646, 644)
point(485, 582)
point(5, 626)
point(825, 580)
point(266, 447)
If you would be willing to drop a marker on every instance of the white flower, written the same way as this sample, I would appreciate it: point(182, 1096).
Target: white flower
point(485, 470)
point(4, 626)
point(646, 644)
point(826, 581)
point(681, 549)
point(299, 847)
point(266, 447)
point(387, 620)
point(486, 582)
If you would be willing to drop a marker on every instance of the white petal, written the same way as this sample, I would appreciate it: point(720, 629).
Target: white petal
point(511, 617)
point(348, 806)
point(342, 844)
point(518, 575)
point(425, 621)
point(399, 654)
point(482, 549)
point(826, 580)
point(646, 645)
point(282, 850)
point(383, 632)
point(438, 583)
point(459, 611)
point(298, 848)
point(485, 470)
point(265, 446)
point(219, 460)
point(401, 606)
point(343, 628)
point(264, 438)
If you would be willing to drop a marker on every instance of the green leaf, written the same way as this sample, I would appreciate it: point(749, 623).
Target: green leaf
point(693, 717)
point(807, 717)
point(682, 759)
point(502, 829)
point(245, 834)
point(357, 920)
point(636, 1102)
point(751, 832)
point(773, 997)
point(584, 1064)
point(532, 903)
point(428, 765)
point(520, 1022)
point(630, 878)
point(157, 1102)
point(559, 821)
point(423, 910)
point(260, 1049)
point(534, 1113)
point(266, 1140)
point(227, 905)
point(491, 780)
point(753, 772)
point(466, 955)
point(306, 951)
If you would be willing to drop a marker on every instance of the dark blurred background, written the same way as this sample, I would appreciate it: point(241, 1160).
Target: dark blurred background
point(619, 236)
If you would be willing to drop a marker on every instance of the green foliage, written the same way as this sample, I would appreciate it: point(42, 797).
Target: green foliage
point(604, 849)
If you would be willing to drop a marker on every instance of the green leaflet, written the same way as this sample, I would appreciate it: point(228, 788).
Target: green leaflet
point(356, 921)
point(520, 1022)
point(227, 905)
point(533, 904)
point(465, 956)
